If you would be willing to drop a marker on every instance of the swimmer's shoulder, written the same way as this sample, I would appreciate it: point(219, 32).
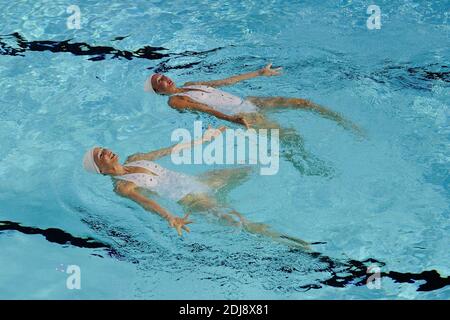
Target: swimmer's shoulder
point(179, 101)
point(124, 188)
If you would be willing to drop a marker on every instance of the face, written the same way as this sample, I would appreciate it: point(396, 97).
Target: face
point(162, 84)
point(105, 159)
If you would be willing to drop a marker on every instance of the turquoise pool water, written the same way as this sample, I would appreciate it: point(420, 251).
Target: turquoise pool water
point(385, 201)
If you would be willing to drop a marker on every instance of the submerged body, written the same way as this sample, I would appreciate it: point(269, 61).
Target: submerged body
point(162, 181)
point(219, 100)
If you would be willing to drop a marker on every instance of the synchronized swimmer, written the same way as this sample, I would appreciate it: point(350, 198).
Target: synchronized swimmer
point(139, 178)
point(252, 111)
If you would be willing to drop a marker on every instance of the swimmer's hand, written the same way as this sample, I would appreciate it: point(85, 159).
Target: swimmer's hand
point(212, 133)
point(267, 71)
point(239, 118)
point(180, 223)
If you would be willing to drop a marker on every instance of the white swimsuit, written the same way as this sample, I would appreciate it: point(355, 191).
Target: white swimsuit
point(166, 183)
point(219, 100)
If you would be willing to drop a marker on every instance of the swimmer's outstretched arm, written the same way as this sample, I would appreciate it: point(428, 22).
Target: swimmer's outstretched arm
point(157, 154)
point(128, 190)
point(266, 71)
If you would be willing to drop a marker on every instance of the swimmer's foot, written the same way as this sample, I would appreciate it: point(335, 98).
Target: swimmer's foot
point(264, 229)
point(297, 242)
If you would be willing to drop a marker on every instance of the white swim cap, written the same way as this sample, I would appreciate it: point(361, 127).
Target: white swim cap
point(148, 85)
point(89, 163)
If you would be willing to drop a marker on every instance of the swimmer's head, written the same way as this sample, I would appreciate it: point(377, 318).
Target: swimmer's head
point(101, 160)
point(160, 84)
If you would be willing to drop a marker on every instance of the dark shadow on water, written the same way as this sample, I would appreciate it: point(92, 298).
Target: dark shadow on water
point(16, 45)
point(339, 273)
point(59, 236)
point(354, 272)
point(395, 74)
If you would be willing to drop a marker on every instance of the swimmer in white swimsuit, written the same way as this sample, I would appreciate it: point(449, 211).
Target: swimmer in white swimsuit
point(203, 96)
point(139, 178)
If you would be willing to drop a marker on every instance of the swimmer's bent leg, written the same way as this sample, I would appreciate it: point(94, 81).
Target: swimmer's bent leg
point(292, 149)
point(204, 203)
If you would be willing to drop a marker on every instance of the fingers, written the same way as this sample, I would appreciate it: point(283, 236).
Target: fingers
point(185, 228)
point(268, 71)
point(179, 227)
point(246, 124)
point(180, 224)
point(212, 133)
point(185, 220)
point(217, 132)
point(278, 70)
